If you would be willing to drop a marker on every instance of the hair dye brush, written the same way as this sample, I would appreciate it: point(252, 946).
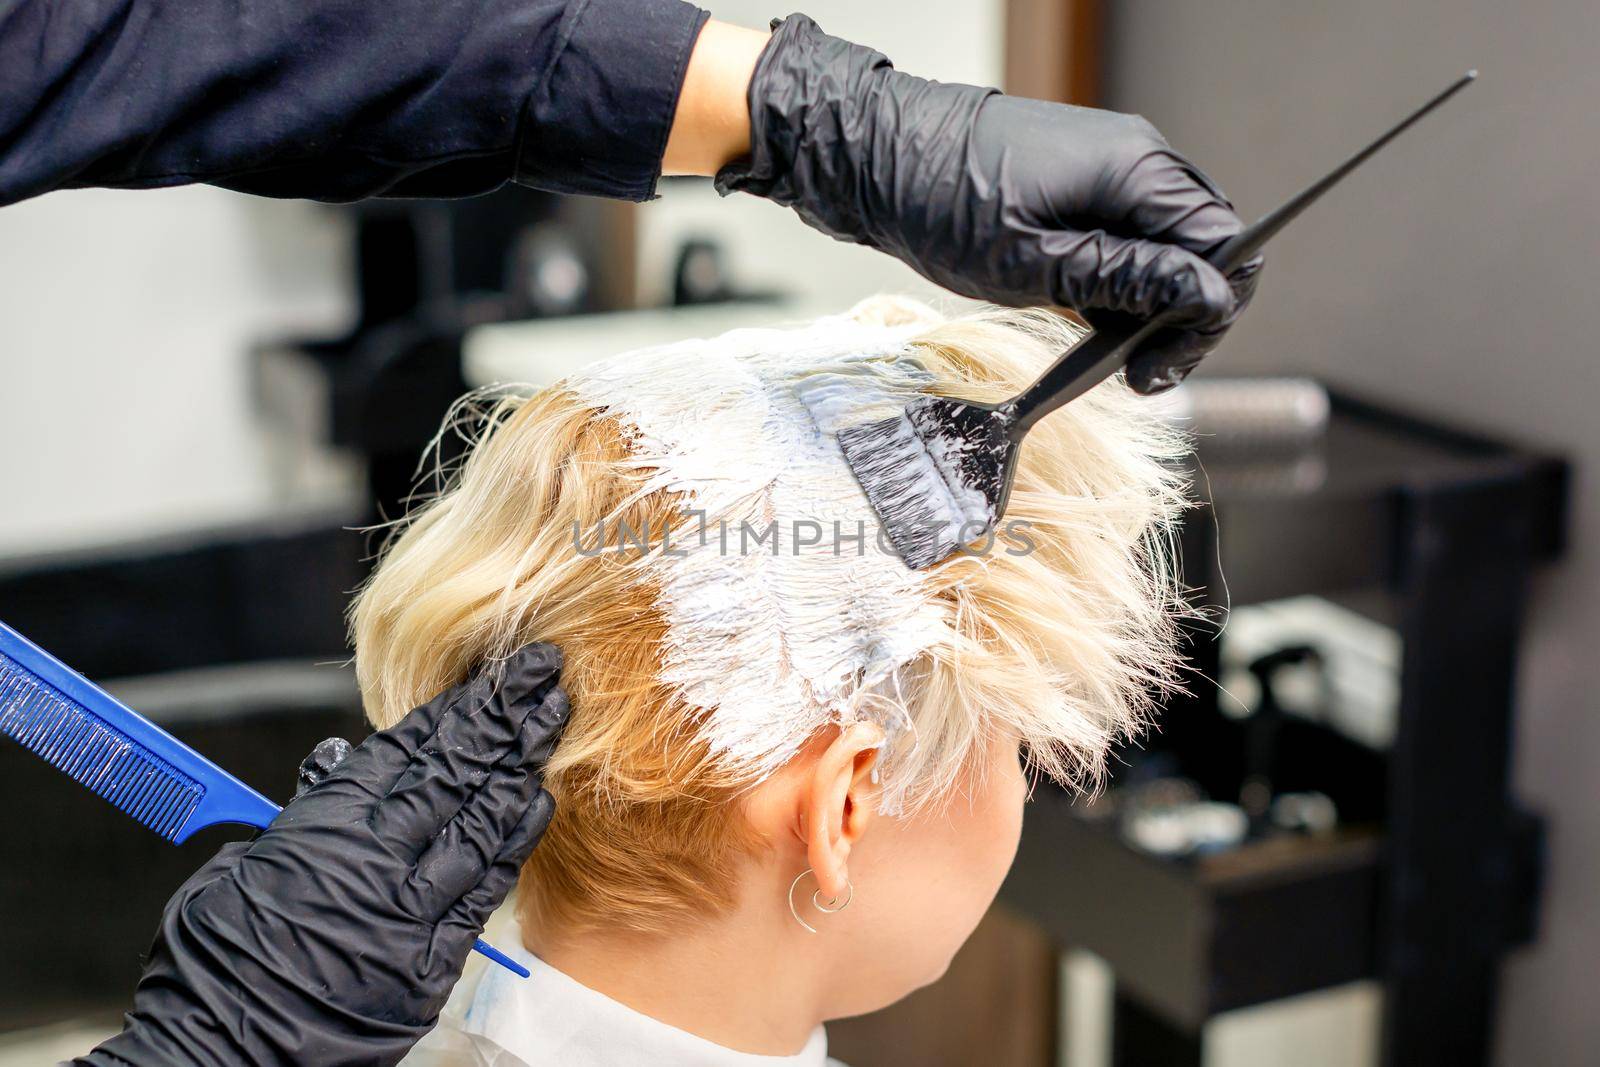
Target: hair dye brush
point(113, 751)
point(939, 474)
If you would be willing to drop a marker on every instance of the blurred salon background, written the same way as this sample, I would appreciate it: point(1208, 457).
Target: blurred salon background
point(1377, 843)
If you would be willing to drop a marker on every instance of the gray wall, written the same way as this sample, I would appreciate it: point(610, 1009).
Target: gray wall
point(1456, 275)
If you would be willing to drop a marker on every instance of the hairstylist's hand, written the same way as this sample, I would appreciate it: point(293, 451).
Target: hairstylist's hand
point(1001, 198)
point(336, 936)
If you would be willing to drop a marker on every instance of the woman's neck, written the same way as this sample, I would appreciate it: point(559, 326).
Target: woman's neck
point(728, 982)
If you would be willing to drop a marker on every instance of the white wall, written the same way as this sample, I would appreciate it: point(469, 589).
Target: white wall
point(124, 323)
point(1454, 275)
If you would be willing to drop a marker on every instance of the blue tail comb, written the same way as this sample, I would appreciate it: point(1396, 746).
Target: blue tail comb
point(113, 751)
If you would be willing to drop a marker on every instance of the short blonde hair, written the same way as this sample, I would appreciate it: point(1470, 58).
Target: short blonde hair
point(1065, 645)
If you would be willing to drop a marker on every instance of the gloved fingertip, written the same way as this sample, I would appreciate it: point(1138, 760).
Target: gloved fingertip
point(541, 730)
point(1200, 297)
point(529, 673)
point(552, 712)
point(1244, 281)
point(321, 762)
point(1250, 267)
point(543, 808)
point(520, 843)
point(1154, 372)
point(1156, 382)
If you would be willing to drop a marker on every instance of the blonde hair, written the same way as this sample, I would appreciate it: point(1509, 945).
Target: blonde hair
point(1064, 641)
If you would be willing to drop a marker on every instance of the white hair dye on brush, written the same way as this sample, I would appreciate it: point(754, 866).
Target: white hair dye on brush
point(773, 639)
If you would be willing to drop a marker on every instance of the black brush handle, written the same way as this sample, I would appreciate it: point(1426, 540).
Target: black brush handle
point(1118, 336)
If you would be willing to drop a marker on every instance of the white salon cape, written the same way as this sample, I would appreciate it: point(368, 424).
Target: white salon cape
point(496, 1019)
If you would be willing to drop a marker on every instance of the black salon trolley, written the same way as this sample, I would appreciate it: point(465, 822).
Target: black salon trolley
point(1433, 874)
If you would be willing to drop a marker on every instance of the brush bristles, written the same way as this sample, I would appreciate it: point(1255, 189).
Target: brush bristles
point(908, 490)
point(77, 742)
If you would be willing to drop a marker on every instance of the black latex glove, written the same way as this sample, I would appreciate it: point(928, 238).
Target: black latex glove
point(336, 935)
point(1006, 199)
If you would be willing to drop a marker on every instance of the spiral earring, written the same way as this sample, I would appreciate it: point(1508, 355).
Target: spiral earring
point(832, 907)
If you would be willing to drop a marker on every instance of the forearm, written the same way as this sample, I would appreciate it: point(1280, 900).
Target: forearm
point(341, 99)
point(712, 126)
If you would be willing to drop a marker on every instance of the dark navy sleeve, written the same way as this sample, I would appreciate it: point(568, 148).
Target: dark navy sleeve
point(340, 99)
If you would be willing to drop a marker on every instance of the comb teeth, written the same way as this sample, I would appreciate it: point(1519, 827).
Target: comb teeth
point(77, 742)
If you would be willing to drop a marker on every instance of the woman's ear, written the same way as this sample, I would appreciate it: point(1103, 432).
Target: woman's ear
point(840, 804)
